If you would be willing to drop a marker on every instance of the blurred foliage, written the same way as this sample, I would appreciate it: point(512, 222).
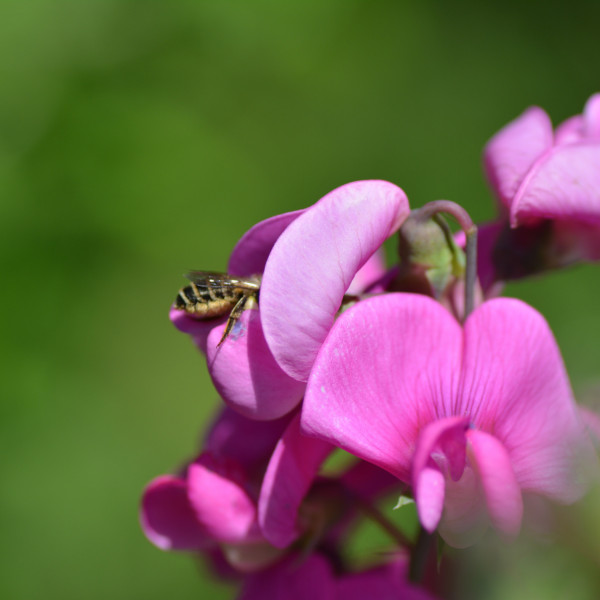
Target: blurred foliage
point(139, 139)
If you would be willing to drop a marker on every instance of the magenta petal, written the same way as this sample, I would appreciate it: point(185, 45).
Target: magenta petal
point(447, 435)
point(247, 441)
point(292, 579)
point(429, 488)
point(250, 254)
point(220, 503)
point(389, 366)
point(510, 154)
point(565, 185)
point(313, 262)
point(291, 472)
point(167, 518)
point(515, 386)
point(388, 582)
point(246, 374)
point(500, 486)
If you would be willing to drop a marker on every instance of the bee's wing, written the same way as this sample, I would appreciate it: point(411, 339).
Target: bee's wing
point(205, 279)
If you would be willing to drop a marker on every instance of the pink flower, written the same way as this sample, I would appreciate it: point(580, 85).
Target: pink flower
point(315, 579)
point(213, 503)
point(471, 417)
point(308, 260)
point(541, 174)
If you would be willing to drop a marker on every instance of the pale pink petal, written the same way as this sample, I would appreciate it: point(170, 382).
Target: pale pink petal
point(373, 270)
point(293, 579)
point(510, 154)
point(247, 441)
point(465, 517)
point(245, 373)
point(313, 263)
point(167, 518)
point(591, 114)
point(515, 387)
point(389, 366)
point(197, 328)
point(220, 502)
point(429, 487)
point(250, 254)
point(564, 185)
point(291, 472)
point(569, 131)
point(501, 489)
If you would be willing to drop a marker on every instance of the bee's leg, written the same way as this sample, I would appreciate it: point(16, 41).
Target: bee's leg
point(234, 315)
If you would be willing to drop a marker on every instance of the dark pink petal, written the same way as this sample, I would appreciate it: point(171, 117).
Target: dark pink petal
point(388, 582)
point(293, 579)
point(250, 254)
point(245, 373)
point(389, 366)
point(515, 387)
point(564, 185)
point(500, 486)
point(368, 481)
point(448, 436)
point(591, 115)
point(313, 262)
point(511, 153)
point(167, 518)
point(291, 471)
point(248, 442)
point(220, 502)
point(577, 241)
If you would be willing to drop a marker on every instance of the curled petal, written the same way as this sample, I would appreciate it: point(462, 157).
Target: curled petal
point(565, 184)
point(500, 486)
point(250, 254)
point(372, 271)
point(291, 471)
point(221, 504)
point(168, 519)
point(380, 377)
point(313, 262)
point(245, 373)
point(510, 154)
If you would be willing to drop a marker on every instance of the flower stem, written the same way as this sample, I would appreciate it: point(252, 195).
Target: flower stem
point(420, 555)
point(461, 216)
point(387, 525)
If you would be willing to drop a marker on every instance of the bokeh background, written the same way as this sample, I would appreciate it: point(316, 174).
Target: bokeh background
point(139, 139)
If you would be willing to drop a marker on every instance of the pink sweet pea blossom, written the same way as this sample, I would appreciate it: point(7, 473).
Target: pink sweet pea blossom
point(540, 174)
point(471, 417)
point(308, 260)
point(213, 502)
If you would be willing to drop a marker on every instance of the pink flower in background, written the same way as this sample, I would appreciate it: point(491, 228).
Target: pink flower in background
point(213, 503)
point(471, 417)
point(541, 174)
point(314, 579)
point(308, 260)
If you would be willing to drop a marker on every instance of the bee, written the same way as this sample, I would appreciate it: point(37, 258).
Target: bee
point(211, 295)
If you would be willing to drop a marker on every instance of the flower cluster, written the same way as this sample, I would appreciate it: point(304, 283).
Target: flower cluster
point(471, 416)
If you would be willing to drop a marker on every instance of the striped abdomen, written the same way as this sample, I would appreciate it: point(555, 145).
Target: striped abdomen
point(207, 301)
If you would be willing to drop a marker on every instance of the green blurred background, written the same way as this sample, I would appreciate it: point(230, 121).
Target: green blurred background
point(139, 139)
